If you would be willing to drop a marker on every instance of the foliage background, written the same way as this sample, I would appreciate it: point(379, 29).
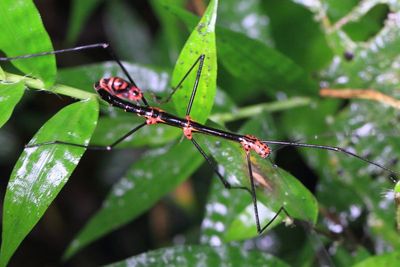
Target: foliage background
point(304, 34)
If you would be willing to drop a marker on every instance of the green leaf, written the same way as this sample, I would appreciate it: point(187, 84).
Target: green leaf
point(248, 19)
point(367, 128)
point(397, 201)
point(149, 179)
point(201, 41)
point(129, 35)
point(276, 189)
point(226, 255)
point(305, 44)
point(251, 60)
point(41, 172)
point(2, 74)
point(10, 95)
point(170, 33)
point(22, 32)
point(388, 259)
point(81, 10)
point(111, 129)
point(148, 78)
point(367, 26)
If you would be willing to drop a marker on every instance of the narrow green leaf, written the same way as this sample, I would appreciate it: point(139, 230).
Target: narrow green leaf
point(150, 178)
point(170, 33)
point(41, 172)
point(130, 37)
point(22, 32)
point(397, 201)
point(200, 42)
point(81, 10)
point(10, 95)
point(226, 255)
point(2, 74)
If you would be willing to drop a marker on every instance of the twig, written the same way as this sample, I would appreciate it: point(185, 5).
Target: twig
point(361, 93)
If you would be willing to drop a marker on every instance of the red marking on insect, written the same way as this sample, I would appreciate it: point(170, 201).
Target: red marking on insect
point(121, 88)
point(187, 129)
point(250, 142)
point(154, 117)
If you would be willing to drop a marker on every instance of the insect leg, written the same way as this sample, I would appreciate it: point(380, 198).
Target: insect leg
point(200, 61)
point(104, 46)
point(109, 147)
point(254, 199)
point(226, 184)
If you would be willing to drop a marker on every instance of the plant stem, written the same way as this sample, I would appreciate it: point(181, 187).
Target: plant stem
point(237, 114)
point(57, 89)
point(253, 110)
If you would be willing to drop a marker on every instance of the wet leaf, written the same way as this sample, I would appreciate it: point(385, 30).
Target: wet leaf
point(149, 179)
point(276, 189)
point(10, 95)
point(227, 255)
point(41, 172)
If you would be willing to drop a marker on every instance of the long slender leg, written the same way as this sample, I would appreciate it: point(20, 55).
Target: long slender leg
point(226, 184)
point(109, 147)
point(254, 198)
point(196, 84)
point(104, 46)
point(200, 61)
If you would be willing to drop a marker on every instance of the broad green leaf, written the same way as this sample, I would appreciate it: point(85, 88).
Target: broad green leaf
point(196, 255)
point(305, 44)
point(388, 259)
point(149, 179)
point(200, 42)
point(254, 62)
point(276, 189)
point(10, 95)
point(22, 32)
point(367, 128)
point(109, 130)
point(81, 10)
point(42, 171)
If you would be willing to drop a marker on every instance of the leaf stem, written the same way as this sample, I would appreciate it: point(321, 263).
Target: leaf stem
point(253, 110)
point(237, 114)
point(57, 88)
